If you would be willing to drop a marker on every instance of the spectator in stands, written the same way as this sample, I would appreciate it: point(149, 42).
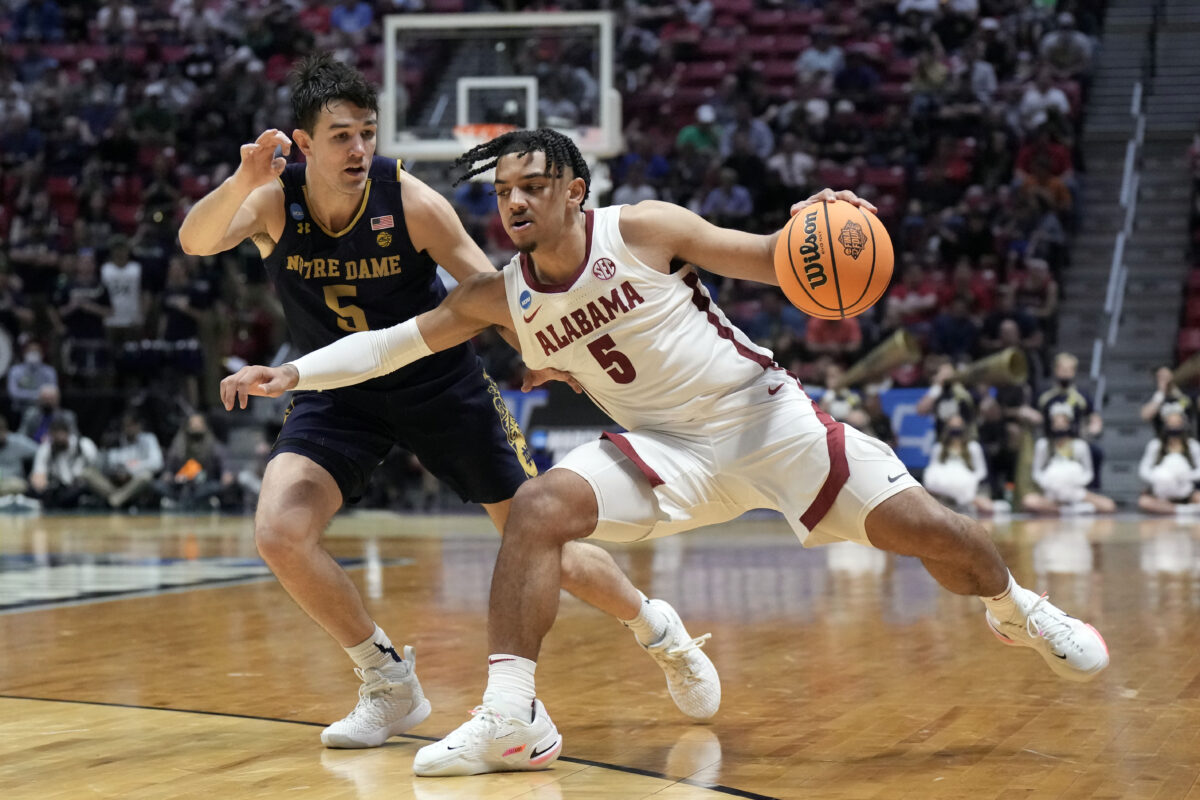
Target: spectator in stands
point(858, 80)
point(957, 469)
point(79, 308)
point(634, 190)
point(1006, 421)
point(116, 22)
point(655, 166)
point(1062, 470)
point(27, 377)
point(930, 79)
point(914, 302)
point(186, 304)
point(122, 277)
point(16, 455)
point(195, 477)
point(728, 204)
point(352, 18)
point(947, 397)
point(980, 73)
point(758, 133)
point(793, 163)
point(823, 55)
point(1037, 293)
point(1041, 145)
point(37, 21)
point(954, 332)
point(1039, 99)
point(845, 134)
point(840, 339)
point(749, 166)
point(1066, 51)
point(475, 206)
point(127, 470)
point(1029, 334)
point(59, 464)
point(1042, 185)
point(699, 12)
point(1066, 397)
point(1168, 399)
point(703, 135)
point(37, 419)
point(1170, 467)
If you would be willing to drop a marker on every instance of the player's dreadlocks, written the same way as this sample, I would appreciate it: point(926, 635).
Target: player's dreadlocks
point(559, 149)
point(319, 80)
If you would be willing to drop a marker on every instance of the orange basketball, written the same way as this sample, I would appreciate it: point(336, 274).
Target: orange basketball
point(834, 260)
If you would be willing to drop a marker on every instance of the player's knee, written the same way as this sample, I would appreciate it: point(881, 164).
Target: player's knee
point(285, 529)
point(551, 507)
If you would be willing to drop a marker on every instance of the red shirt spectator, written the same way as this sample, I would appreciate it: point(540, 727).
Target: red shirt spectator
point(835, 337)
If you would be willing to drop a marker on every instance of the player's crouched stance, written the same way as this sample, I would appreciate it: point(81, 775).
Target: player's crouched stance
point(714, 428)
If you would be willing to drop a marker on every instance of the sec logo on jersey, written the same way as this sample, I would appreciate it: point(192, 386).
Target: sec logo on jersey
point(604, 269)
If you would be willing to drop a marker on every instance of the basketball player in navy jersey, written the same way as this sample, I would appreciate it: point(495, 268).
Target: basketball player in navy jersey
point(714, 428)
point(352, 243)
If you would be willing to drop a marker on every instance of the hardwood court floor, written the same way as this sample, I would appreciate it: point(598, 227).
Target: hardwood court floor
point(846, 673)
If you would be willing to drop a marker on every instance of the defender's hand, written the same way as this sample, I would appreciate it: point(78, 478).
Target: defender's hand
point(259, 164)
point(258, 381)
point(536, 377)
point(830, 196)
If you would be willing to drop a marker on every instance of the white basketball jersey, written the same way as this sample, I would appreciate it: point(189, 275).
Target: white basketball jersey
point(650, 349)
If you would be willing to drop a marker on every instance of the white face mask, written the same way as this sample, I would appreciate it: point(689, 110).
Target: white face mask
point(33, 358)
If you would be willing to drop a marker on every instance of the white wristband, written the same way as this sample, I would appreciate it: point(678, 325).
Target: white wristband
point(361, 356)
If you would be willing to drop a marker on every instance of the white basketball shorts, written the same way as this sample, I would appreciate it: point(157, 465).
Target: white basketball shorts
point(781, 453)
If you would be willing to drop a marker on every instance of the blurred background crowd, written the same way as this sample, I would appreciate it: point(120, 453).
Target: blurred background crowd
point(957, 118)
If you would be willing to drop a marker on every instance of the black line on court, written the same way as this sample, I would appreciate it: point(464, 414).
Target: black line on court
point(649, 773)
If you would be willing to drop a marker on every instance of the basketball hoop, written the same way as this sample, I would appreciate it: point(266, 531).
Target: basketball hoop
point(479, 132)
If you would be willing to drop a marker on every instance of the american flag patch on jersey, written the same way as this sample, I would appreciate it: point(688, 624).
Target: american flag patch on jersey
point(379, 223)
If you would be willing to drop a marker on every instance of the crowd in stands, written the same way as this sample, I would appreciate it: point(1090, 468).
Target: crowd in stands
point(959, 119)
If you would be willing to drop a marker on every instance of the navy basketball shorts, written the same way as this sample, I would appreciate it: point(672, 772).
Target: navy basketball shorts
point(464, 434)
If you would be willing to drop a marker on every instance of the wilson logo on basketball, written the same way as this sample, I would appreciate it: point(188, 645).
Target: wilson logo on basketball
point(604, 269)
point(853, 239)
point(814, 271)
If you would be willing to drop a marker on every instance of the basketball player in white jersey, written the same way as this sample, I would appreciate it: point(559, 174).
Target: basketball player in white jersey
point(715, 428)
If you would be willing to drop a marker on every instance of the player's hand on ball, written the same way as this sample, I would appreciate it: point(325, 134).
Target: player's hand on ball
point(259, 163)
point(536, 377)
point(257, 381)
point(830, 196)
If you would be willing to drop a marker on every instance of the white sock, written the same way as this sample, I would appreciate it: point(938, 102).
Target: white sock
point(649, 626)
point(510, 689)
point(376, 651)
point(1004, 606)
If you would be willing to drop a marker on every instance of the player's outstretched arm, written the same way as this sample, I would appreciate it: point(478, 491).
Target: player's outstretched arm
point(248, 203)
point(660, 233)
point(474, 305)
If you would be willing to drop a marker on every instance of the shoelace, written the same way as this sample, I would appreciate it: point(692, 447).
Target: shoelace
point(679, 666)
point(480, 726)
point(1043, 622)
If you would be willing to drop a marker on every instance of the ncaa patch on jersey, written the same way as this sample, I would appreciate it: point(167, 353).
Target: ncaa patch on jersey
point(296, 211)
point(380, 223)
point(526, 299)
point(384, 239)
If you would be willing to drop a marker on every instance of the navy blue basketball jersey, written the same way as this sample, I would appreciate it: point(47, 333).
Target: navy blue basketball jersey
point(365, 277)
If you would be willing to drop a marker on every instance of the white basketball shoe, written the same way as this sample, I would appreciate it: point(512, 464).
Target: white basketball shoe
point(390, 702)
point(691, 677)
point(491, 742)
point(1072, 648)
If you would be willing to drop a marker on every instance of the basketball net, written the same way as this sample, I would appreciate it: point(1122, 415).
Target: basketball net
point(476, 133)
